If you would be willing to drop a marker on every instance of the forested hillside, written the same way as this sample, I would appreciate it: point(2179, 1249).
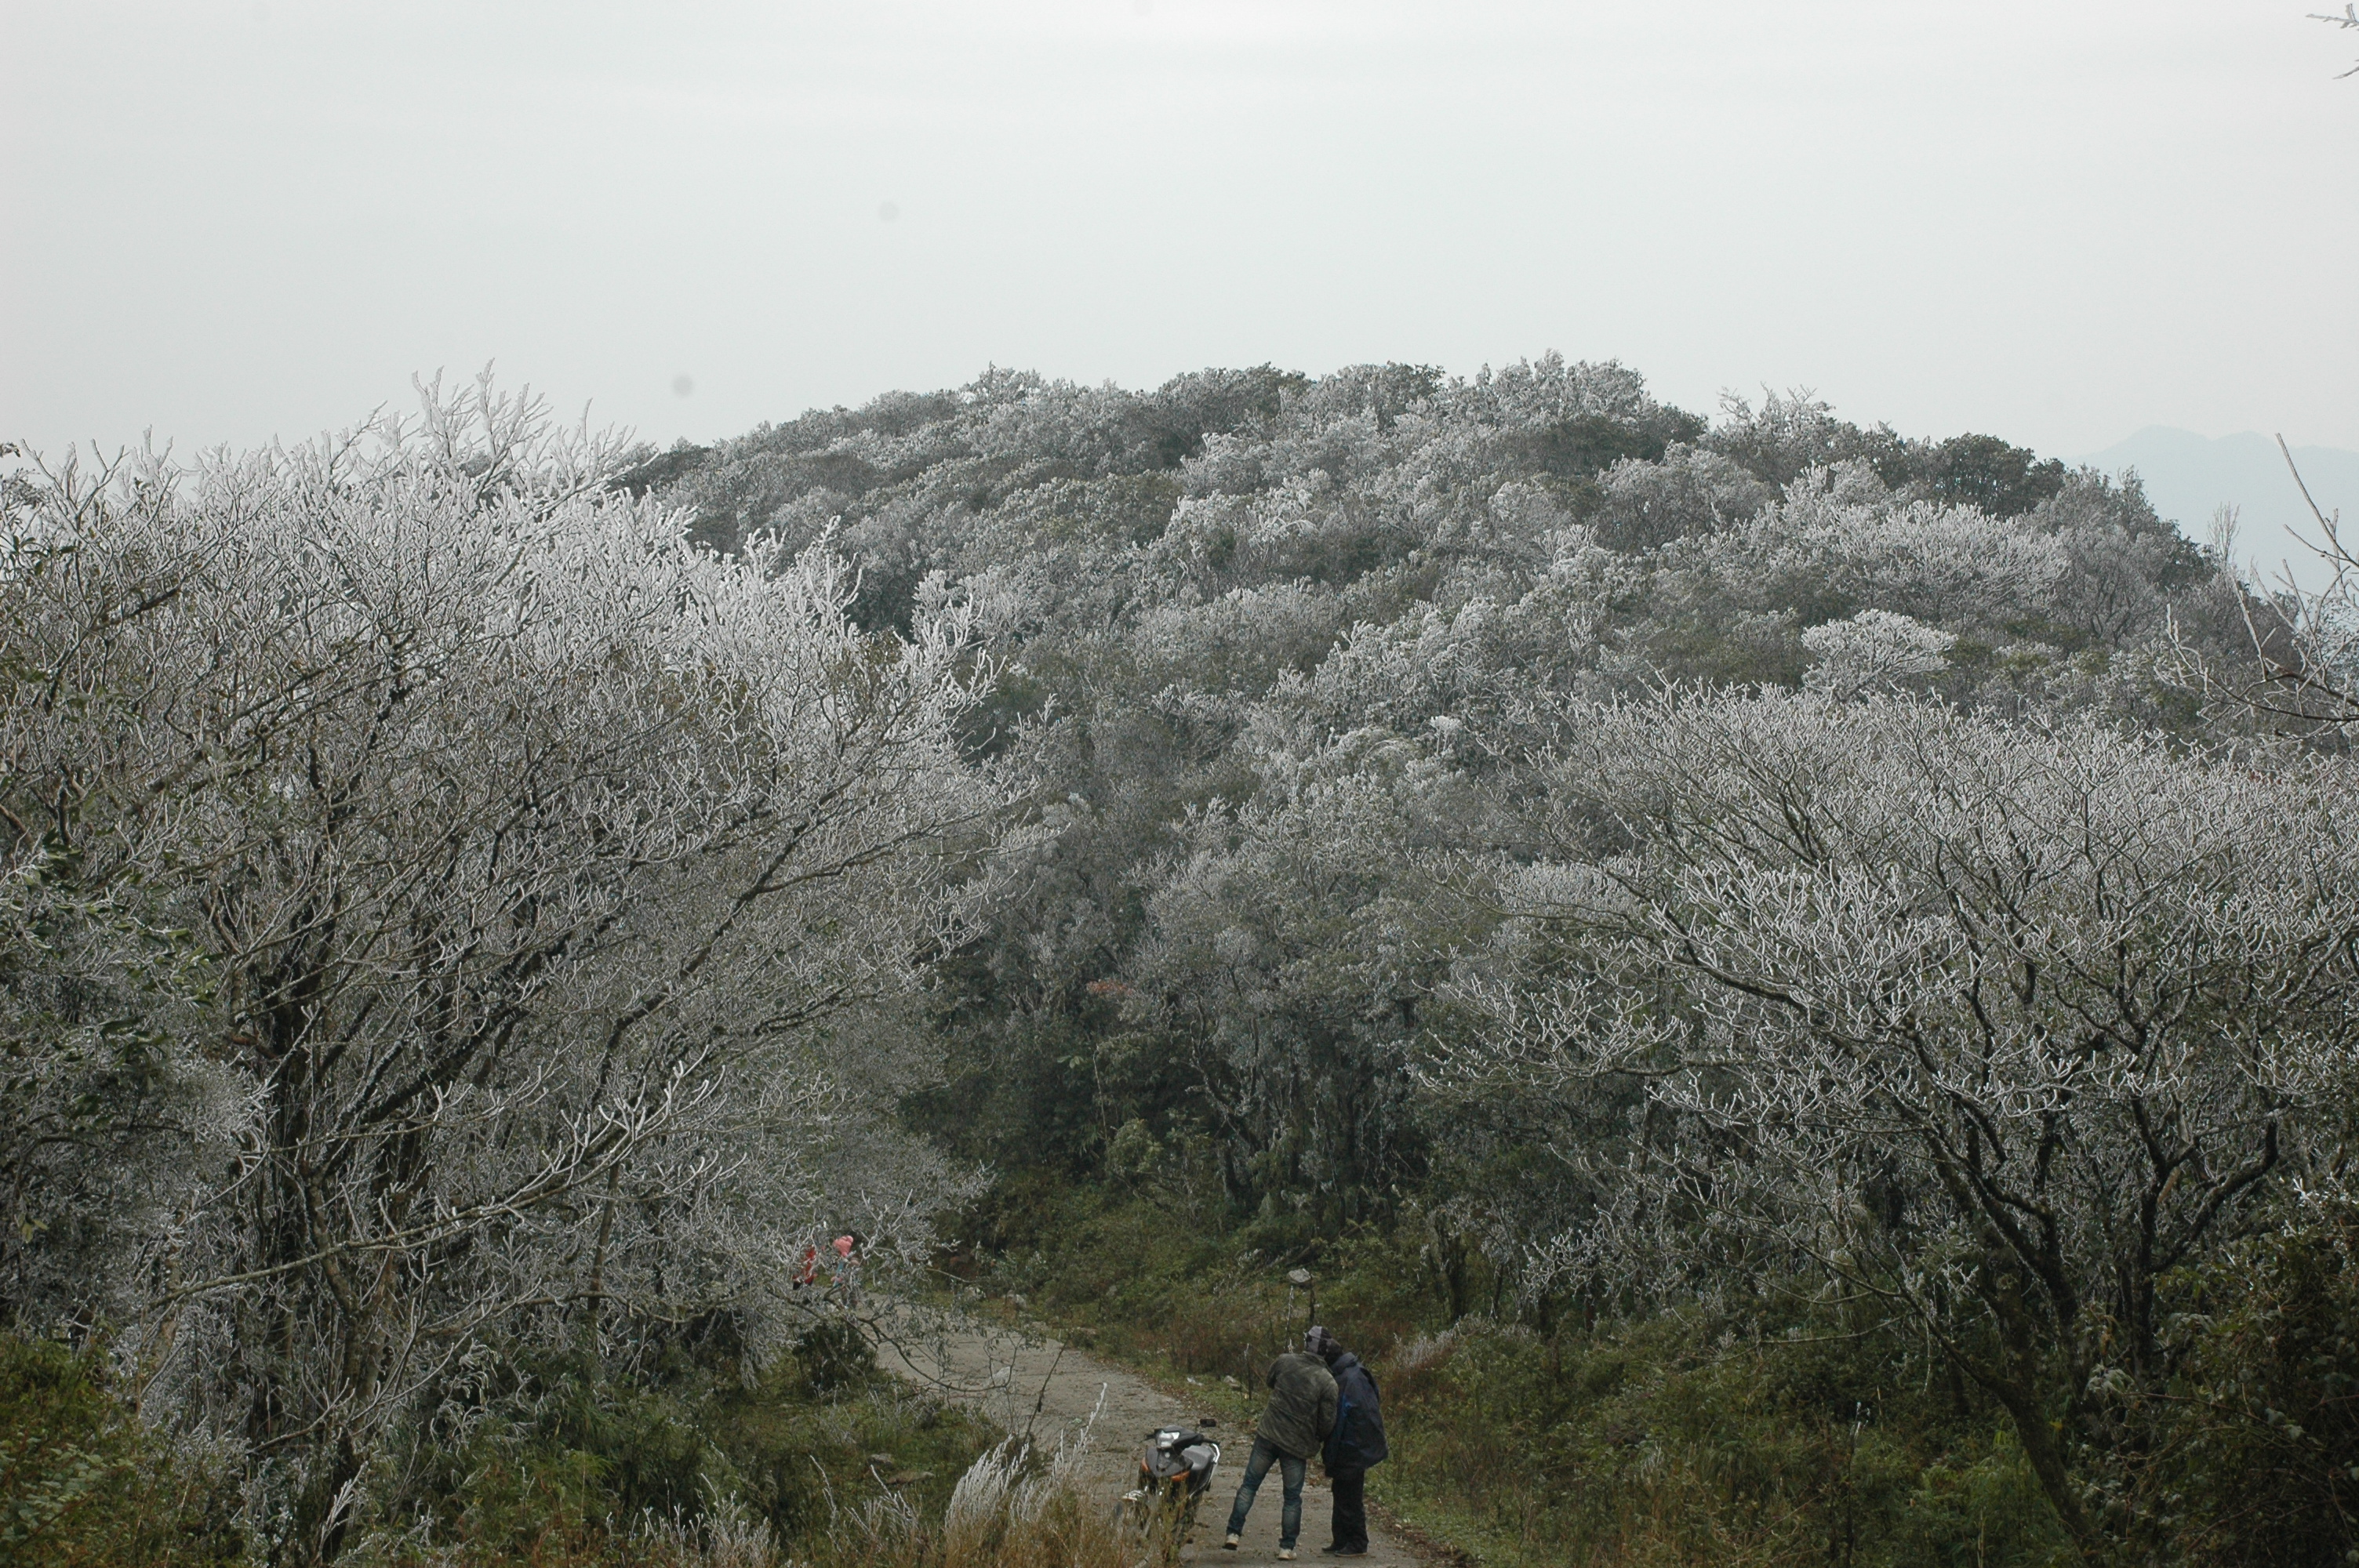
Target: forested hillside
point(1283, 662)
point(1791, 984)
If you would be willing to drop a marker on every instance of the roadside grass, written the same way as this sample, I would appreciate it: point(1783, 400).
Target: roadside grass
point(1010, 1508)
point(554, 1460)
point(561, 1465)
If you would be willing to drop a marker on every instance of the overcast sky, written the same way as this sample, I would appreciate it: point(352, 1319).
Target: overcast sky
point(2056, 221)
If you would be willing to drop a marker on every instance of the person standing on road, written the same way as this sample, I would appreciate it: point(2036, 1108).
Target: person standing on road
point(1356, 1442)
point(1300, 1416)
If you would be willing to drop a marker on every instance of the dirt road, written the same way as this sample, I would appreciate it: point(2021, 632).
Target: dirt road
point(1051, 1391)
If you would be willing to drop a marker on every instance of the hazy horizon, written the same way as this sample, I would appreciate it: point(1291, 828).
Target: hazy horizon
point(236, 222)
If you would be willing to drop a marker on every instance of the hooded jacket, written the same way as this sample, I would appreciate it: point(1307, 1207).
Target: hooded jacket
point(1301, 1405)
point(1358, 1440)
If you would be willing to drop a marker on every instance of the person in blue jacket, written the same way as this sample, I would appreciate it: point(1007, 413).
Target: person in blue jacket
point(1356, 1442)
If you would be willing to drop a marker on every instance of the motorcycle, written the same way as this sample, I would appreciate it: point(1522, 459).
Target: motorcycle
point(1175, 1471)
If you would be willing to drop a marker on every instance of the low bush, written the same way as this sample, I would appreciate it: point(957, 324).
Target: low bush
point(541, 1460)
point(2255, 1455)
point(1008, 1508)
point(83, 1483)
point(1672, 1440)
point(560, 1458)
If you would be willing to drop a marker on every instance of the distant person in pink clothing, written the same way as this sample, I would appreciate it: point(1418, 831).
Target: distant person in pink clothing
point(847, 1267)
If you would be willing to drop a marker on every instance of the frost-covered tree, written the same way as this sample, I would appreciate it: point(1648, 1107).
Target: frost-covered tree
point(540, 886)
point(1983, 1027)
point(1873, 649)
point(1293, 948)
point(2296, 663)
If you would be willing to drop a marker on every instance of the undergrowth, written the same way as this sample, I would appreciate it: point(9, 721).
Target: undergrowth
point(563, 1458)
point(1767, 1432)
point(1760, 1435)
point(84, 1483)
point(541, 1460)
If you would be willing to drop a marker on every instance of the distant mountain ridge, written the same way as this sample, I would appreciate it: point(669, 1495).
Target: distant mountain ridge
point(2187, 477)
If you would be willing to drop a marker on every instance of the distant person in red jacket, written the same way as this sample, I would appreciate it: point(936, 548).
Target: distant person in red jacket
point(847, 1262)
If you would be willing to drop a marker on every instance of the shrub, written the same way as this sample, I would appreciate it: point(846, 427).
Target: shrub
point(2255, 1449)
point(558, 1458)
point(83, 1483)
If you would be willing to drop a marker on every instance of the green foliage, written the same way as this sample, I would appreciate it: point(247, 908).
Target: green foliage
point(84, 1484)
point(2256, 1446)
point(562, 1458)
point(1676, 1439)
point(1140, 1276)
point(1982, 471)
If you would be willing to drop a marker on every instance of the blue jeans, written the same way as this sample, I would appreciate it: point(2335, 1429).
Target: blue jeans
point(1257, 1466)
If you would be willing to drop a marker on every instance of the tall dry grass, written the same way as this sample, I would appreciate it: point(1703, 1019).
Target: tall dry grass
point(1013, 1507)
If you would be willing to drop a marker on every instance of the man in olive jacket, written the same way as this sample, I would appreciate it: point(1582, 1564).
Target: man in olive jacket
point(1356, 1443)
point(1301, 1414)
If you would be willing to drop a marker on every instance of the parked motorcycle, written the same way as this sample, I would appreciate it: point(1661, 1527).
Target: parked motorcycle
point(1175, 1471)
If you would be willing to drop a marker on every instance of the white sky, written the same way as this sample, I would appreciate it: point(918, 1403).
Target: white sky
point(2054, 221)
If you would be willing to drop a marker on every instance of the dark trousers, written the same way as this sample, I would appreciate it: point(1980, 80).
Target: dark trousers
point(1351, 1509)
point(1290, 1469)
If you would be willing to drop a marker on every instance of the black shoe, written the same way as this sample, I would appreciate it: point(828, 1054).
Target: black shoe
point(1343, 1551)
